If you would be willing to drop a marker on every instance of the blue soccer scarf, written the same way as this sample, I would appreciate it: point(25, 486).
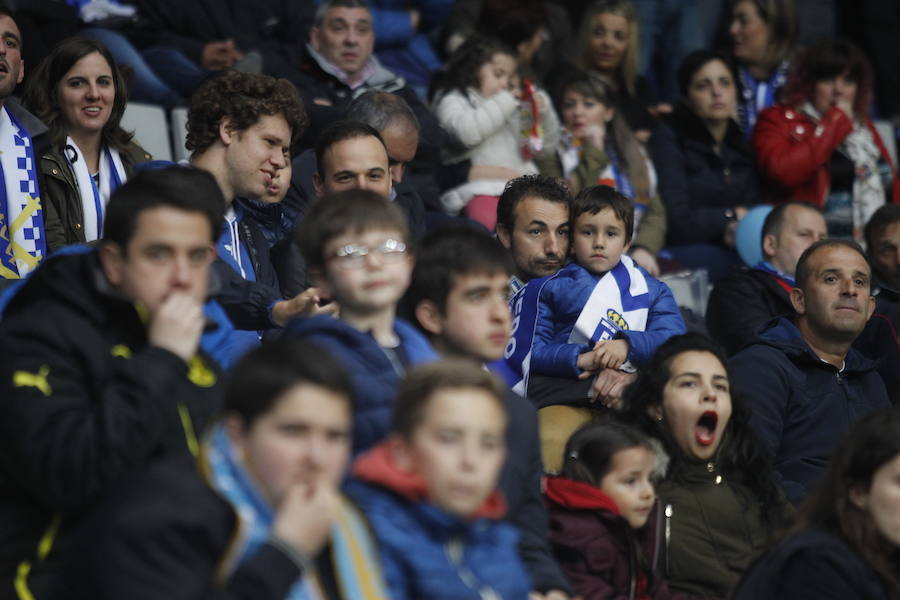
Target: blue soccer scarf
point(22, 239)
point(353, 551)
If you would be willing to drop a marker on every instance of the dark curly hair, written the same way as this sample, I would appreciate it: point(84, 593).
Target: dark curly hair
point(741, 458)
point(242, 98)
point(41, 94)
point(460, 72)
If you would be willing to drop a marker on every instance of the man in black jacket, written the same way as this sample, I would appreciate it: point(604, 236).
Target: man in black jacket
point(806, 384)
point(458, 298)
point(339, 66)
point(745, 299)
point(22, 136)
point(100, 373)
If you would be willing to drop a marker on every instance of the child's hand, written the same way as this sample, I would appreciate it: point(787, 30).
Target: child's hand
point(610, 354)
point(587, 362)
point(515, 85)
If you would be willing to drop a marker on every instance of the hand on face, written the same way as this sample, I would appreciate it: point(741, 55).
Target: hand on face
point(176, 325)
point(594, 135)
point(846, 106)
point(304, 517)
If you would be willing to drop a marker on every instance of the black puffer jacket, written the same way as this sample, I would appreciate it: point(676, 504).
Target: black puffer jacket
point(812, 564)
point(697, 184)
point(86, 401)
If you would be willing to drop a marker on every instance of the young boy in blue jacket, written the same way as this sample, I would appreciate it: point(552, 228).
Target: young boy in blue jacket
point(430, 489)
point(356, 245)
point(600, 311)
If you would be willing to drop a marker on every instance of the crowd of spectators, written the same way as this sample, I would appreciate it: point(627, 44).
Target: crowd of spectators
point(400, 326)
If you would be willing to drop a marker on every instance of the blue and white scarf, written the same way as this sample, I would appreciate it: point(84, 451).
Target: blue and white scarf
point(354, 555)
point(768, 268)
point(93, 198)
point(23, 242)
point(757, 95)
point(620, 301)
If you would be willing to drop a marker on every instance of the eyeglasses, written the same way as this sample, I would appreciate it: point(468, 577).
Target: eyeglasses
point(353, 256)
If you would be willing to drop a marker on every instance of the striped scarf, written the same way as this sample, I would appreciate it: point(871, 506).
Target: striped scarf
point(353, 552)
point(22, 239)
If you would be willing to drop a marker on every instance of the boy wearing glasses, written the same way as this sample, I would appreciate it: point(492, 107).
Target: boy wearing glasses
point(356, 245)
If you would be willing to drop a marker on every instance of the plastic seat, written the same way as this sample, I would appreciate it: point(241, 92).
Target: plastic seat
point(151, 128)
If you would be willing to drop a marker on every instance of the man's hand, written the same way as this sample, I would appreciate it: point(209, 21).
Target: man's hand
point(177, 324)
point(304, 304)
point(304, 516)
point(609, 385)
point(220, 55)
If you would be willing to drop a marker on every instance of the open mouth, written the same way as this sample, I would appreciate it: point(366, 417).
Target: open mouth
point(4, 68)
point(705, 430)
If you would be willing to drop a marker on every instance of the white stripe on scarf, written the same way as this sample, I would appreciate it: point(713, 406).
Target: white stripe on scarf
point(85, 183)
point(606, 297)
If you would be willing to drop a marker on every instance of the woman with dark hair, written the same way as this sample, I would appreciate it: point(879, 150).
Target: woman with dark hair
point(764, 36)
point(719, 500)
point(78, 92)
point(845, 543)
point(707, 175)
point(820, 146)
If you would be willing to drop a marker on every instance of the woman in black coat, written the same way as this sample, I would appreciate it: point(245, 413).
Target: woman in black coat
point(707, 174)
point(846, 542)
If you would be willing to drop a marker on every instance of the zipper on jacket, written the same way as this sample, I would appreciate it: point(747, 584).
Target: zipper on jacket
point(668, 535)
point(454, 549)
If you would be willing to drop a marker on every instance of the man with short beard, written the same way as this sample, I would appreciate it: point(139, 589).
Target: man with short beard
point(533, 224)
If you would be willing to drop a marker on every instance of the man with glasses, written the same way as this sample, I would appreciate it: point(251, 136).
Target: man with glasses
point(355, 245)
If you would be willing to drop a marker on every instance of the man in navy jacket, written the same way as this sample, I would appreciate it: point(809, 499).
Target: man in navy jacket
point(806, 385)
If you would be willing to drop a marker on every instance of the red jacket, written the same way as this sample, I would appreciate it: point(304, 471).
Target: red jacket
point(793, 153)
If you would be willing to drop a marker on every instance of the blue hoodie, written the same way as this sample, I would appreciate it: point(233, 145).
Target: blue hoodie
point(373, 373)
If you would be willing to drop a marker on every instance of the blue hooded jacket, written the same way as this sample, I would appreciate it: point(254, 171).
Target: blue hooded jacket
point(562, 300)
point(373, 372)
